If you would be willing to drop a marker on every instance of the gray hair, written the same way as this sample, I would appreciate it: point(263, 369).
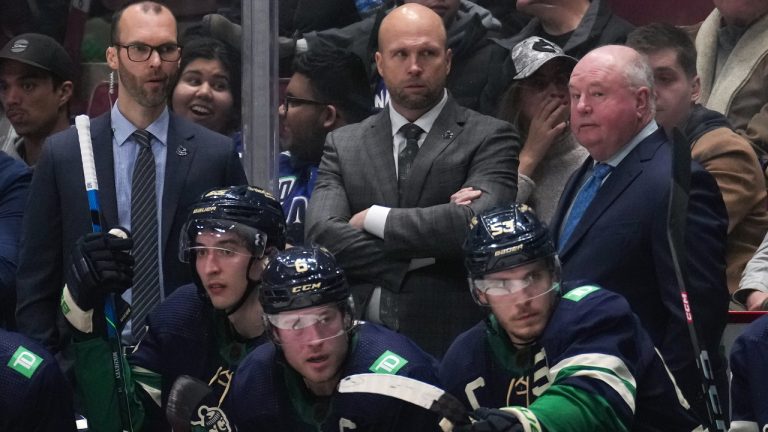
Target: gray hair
point(639, 73)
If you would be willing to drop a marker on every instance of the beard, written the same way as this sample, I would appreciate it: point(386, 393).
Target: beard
point(417, 102)
point(132, 84)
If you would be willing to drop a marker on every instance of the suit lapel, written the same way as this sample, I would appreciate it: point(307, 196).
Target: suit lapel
point(624, 174)
point(447, 127)
point(176, 170)
point(101, 132)
point(381, 159)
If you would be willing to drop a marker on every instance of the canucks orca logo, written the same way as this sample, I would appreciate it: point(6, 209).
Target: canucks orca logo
point(543, 45)
point(211, 419)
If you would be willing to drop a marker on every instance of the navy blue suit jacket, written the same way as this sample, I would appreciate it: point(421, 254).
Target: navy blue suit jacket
point(621, 244)
point(58, 215)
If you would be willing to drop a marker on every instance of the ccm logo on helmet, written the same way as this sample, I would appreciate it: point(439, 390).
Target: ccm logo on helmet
point(305, 287)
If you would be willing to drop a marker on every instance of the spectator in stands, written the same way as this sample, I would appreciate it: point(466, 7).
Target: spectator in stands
point(727, 156)
point(577, 26)
point(537, 103)
point(15, 178)
point(328, 89)
point(36, 76)
point(732, 43)
point(749, 365)
point(390, 199)
point(611, 223)
point(753, 288)
point(207, 90)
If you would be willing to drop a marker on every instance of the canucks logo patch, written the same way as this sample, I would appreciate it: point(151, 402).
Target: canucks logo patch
point(25, 362)
point(388, 363)
point(579, 293)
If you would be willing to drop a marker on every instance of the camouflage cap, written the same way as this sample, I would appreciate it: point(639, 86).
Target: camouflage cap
point(532, 53)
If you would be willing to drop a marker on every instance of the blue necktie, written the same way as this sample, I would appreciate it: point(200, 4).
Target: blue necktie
point(580, 204)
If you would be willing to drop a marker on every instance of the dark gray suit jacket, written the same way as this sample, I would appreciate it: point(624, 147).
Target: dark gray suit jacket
point(463, 148)
point(58, 214)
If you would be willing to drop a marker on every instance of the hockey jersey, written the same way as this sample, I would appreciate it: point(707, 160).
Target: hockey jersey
point(186, 336)
point(34, 396)
point(749, 366)
point(593, 369)
point(268, 395)
point(297, 179)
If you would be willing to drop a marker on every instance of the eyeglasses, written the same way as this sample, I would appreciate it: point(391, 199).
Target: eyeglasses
point(295, 101)
point(140, 52)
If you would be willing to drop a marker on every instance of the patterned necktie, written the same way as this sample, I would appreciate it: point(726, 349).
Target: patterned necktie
point(580, 204)
point(146, 282)
point(407, 155)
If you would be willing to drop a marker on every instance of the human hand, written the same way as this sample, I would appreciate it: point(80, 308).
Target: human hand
point(757, 301)
point(492, 420)
point(358, 219)
point(549, 123)
point(465, 196)
point(101, 265)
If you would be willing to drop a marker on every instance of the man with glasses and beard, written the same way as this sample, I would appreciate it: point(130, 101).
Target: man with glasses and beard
point(151, 165)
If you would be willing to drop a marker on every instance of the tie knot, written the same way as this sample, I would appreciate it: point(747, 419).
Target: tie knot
point(601, 170)
point(411, 131)
point(142, 137)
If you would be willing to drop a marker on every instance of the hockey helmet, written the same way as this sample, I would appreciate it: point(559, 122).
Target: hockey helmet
point(503, 238)
point(252, 214)
point(304, 287)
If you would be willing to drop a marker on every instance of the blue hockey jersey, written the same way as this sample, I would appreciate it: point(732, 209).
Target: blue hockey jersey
point(34, 396)
point(593, 369)
point(297, 179)
point(268, 395)
point(749, 383)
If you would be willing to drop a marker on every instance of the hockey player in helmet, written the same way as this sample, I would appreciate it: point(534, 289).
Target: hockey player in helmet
point(290, 385)
point(557, 362)
point(202, 330)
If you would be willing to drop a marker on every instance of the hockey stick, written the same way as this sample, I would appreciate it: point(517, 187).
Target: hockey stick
point(676, 222)
point(410, 390)
point(83, 125)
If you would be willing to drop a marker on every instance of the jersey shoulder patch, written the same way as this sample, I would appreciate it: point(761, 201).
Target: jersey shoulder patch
point(25, 362)
point(388, 363)
point(577, 294)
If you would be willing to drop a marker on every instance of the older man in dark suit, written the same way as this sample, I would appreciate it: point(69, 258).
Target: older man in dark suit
point(618, 237)
point(187, 160)
point(395, 193)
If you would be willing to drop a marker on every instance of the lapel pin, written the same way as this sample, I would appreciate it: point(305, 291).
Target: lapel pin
point(181, 151)
point(448, 135)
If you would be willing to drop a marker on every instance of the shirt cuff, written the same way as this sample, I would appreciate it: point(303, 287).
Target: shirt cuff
point(376, 220)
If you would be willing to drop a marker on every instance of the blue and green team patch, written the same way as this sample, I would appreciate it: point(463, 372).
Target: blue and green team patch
point(579, 293)
point(25, 362)
point(388, 363)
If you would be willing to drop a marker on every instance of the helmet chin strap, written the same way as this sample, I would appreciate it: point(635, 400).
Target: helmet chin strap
point(249, 288)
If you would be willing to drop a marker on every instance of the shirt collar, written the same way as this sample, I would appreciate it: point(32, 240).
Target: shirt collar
point(644, 133)
point(425, 122)
point(122, 128)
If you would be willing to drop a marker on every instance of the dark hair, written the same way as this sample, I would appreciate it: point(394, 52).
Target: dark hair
point(337, 77)
point(208, 48)
point(658, 36)
point(146, 6)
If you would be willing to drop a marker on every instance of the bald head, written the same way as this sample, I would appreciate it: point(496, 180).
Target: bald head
point(611, 99)
point(412, 59)
point(411, 18)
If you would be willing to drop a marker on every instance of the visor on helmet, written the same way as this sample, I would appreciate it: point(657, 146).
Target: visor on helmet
point(247, 240)
point(535, 283)
point(310, 325)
